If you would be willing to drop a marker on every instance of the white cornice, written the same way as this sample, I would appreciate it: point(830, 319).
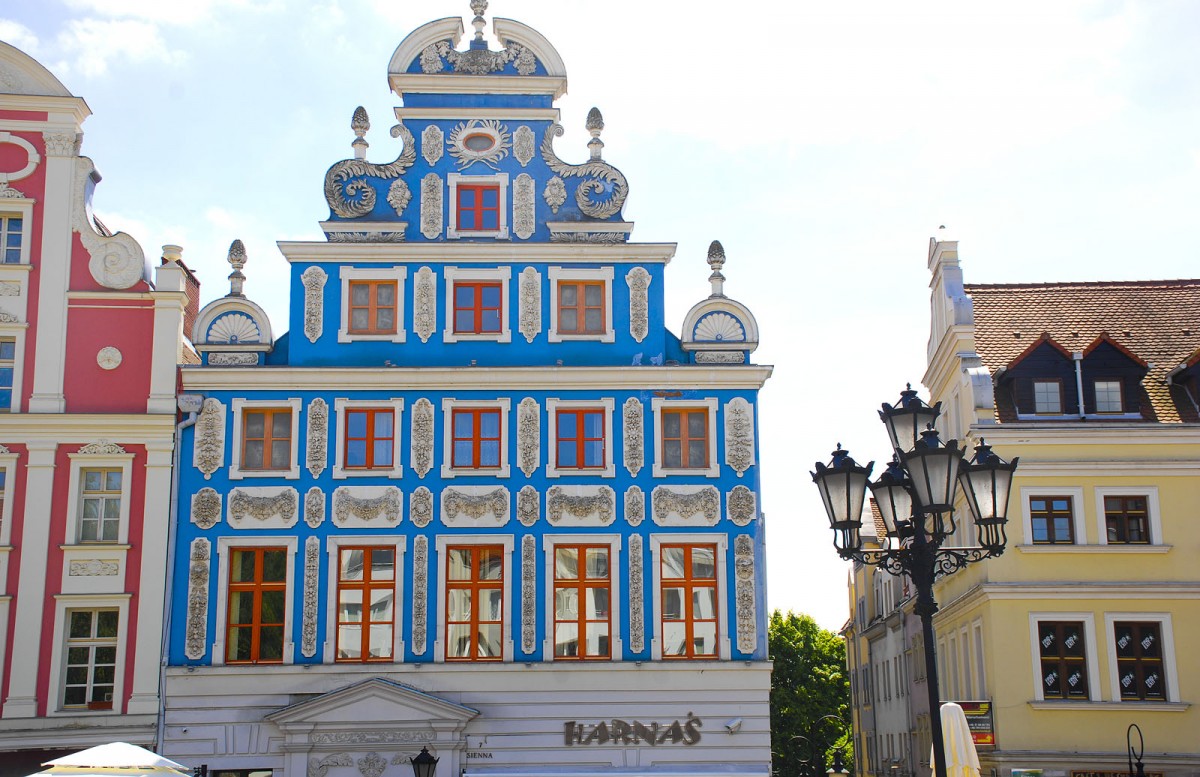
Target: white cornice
point(455, 83)
point(1166, 467)
point(1087, 433)
point(460, 114)
point(70, 428)
point(196, 378)
point(1065, 590)
point(490, 253)
point(60, 110)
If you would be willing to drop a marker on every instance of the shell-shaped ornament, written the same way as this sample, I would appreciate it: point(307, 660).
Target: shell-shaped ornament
point(234, 328)
point(719, 327)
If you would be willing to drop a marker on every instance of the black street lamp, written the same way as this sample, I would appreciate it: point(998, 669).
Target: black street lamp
point(813, 764)
point(424, 764)
point(916, 497)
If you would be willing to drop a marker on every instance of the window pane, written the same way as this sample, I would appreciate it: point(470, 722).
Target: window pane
point(81, 623)
point(464, 424)
point(597, 606)
point(671, 424)
point(566, 563)
point(92, 479)
point(593, 294)
point(672, 603)
point(112, 480)
point(460, 564)
point(568, 293)
point(349, 642)
point(704, 639)
point(673, 453)
point(491, 196)
point(674, 638)
point(464, 321)
point(385, 320)
point(383, 424)
point(360, 319)
point(593, 320)
point(489, 640)
point(281, 454)
point(567, 454)
point(356, 423)
point(597, 639)
point(568, 320)
point(281, 424)
point(381, 641)
point(566, 640)
point(490, 296)
point(275, 565)
point(270, 643)
point(490, 321)
point(383, 564)
point(703, 563)
point(597, 562)
point(254, 454)
point(385, 294)
point(381, 605)
point(696, 457)
point(489, 454)
point(351, 564)
point(243, 565)
point(697, 424)
point(459, 605)
point(360, 294)
point(356, 453)
point(704, 603)
point(255, 424)
point(566, 603)
point(491, 563)
point(458, 640)
point(383, 453)
point(350, 606)
point(490, 604)
point(272, 607)
point(672, 562)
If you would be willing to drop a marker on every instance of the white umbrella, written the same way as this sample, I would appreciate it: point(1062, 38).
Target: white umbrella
point(116, 759)
point(961, 758)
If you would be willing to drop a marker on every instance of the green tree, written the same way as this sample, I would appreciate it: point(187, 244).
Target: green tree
point(809, 682)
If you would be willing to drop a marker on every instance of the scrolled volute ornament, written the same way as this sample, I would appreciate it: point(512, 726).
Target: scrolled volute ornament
point(600, 178)
point(347, 189)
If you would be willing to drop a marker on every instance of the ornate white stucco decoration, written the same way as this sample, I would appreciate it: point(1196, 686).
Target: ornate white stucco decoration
point(637, 639)
point(109, 358)
point(531, 303)
point(581, 505)
point(233, 359)
point(467, 154)
point(686, 505)
point(233, 328)
point(359, 506)
point(524, 145)
point(8, 318)
point(638, 280)
point(529, 436)
point(206, 507)
point(743, 566)
point(101, 448)
point(739, 435)
point(314, 507)
point(432, 139)
point(93, 567)
point(314, 279)
point(208, 449)
point(477, 62)
point(347, 188)
point(720, 327)
point(196, 631)
point(4, 448)
point(600, 178)
point(720, 357)
point(424, 303)
point(421, 437)
point(741, 505)
point(371, 765)
point(398, 197)
point(431, 206)
point(267, 507)
point(635, 505)
point(523, 206)
point(316, 454)
point(32, 160)
point(528, 505)
point(319, 767)
point(60, 143)
point(420, 594)
point(308, 612)
point(528, 593)
point(10, 288)
point(632, 436)
point(555, 193)
point(117, 261)
point(475, 506)
point(420, 506)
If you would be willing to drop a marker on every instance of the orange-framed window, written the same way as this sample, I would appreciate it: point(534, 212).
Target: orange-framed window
point(688, 592)
point(267, 439)
point(477, 307)
point(580, 443)
point(685, 438)
point(370, 438)
point(581, 307)
point(257, 603)
point(476, 438)
point(91, 659)
point(474, 603)
point(372, 308)
point(478, 208)
point(366, 604)
point(582, 602)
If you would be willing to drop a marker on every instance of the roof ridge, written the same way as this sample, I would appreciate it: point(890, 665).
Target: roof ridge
point(1173, 282)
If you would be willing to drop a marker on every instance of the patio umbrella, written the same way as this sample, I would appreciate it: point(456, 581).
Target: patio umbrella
point(961, 758)
point(116, 759)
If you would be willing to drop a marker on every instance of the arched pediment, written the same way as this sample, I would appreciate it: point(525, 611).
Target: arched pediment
point(427, 34)
point(22, 74)
point(232, 321)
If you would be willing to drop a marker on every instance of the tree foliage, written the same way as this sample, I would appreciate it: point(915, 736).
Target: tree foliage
point(809, 682)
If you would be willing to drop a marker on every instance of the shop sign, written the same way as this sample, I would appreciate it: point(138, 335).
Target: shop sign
point(633, 732)
point(1085, 773)
point(979, 721)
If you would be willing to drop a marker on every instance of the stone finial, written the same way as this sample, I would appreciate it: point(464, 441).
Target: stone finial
point(478, 7)
point(594, 125)
point(716, 260)
point(237, 260)
point(360, 123)
point(172, 253)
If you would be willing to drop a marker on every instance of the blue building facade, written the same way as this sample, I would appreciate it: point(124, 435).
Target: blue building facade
point(479, 498)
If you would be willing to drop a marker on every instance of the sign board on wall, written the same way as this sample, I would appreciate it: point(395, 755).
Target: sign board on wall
point(979, 720)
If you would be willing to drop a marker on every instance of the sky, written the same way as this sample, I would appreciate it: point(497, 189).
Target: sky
point(822, 143)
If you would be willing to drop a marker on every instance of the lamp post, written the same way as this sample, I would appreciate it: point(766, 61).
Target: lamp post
point(1135, 755)
point(813, 764)
point(916, 495)
point(424, 764)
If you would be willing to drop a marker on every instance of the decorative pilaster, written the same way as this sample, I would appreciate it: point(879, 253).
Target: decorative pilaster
point(424, 303)
point(421, 437)
point(316, 450)
point(739, 435)
point(420, 593)
point(531, 304)
point(196, 632)
point(529, 436)
point(743, 565)
point(637, 618)
point(528, 593)
point(431, 206)
point(632, 436)
point(208, 448)
point(638, 281)
point(523, 201)
point(308, 625)
point(314, 279)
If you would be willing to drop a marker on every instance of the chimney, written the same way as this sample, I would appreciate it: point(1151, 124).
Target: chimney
point(191, 285)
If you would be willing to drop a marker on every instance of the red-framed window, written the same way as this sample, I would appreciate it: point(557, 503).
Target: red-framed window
point(581, 307)
point(474, 603)
point(372, 308)
point(1140, 670)
point(366, 613)
point(478, 208)
point(685, 438)
point(582, 602)
point(475, 438)
point(580, 443)
point(257, 603)
point(370, 438)
point(477, 307)
point(267, 439)
point(688, 592)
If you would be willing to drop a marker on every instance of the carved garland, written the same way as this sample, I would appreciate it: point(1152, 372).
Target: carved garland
point(318, 768)
point(316, 454)
point(308, 627)
point(101, 448)
point(233, 359)
point(314, 279)
point(741, 505)
point(196, 636)
point(347, 188)
point(743, 561)
point(347, 506)
point(637, 641)
point(208, 451)
point(206, 508)
point(635, 506)
point(93, 568)
point(600, 504)
point(531, 303)
point(475, 506)
point(601, 177)
point(739, 435)
point(314, 507)
point(431, 206)
point(263, 508)
point(528, 593)
point(477, 62)
point(420, 506)
point(420, 592)
point(528, 505)
point(421, 438)
point(638, 280)
point(705, 502)
point(528, 436)
point(523, 207)
point(632, 435)
point(424, 303)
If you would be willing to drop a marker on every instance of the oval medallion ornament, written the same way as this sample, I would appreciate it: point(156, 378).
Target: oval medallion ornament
point(108, 358)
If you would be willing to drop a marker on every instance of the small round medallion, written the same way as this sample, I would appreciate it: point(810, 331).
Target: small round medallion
point(108, 358)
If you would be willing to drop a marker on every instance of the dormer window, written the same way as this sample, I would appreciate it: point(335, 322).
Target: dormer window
point(1108, 396)
point(1047, 397)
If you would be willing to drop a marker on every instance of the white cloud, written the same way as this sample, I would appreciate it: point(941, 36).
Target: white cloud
point(19, 35)
point(170, 13)
point(92, 44)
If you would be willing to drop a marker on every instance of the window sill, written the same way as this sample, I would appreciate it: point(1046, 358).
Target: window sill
point(237, 473)
point(96, 546)
point(485, 337)
point(463, 472)
point(344, 336)
point(1156, 706)
point(554, 336)
point(699, 472)
point(391, 473)
point(609, 471)
point(1114, 549)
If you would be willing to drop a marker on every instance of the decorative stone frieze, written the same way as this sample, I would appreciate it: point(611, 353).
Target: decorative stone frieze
point(528, 593)
point(421, 437)
point(739, 435)
point(743, 565)
point(308, 612)
point(10, 288)
point(635, 506)
point(528, 505)
point(314, 507)
point(420, 593)
point(531, 303)
point(638, 280)
point(233, 359)
point(523, 207)
point(529, 436)
point(432, 144)
point(686, 505)
point(420, 506)
point(208, 451)
point(475, 506)
point(424, 303)
point(741, 505)
point(632, 436)
point(206, 508)
point(318, 767)
point(361, 506)
point(196, 630)
point(637, 596)
point(720, 357)
point(314, 279)
point(431, 206)
point(101, 448)
point(580, 506)
point(93, 568)
point(316, 456)
point(268, 507)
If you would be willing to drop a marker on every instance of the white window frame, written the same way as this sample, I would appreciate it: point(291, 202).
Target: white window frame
point(449, 405)
point(1120, 397)
point(1165, 630)
point(397, 275)
point(658, 405)
point(553, 405)
point(224, 546)
point(341, 405)
point(1078, 508)
point(979, 648)
point(614, 543)
point(1153, 513)
point(333, 547)
point(453, 180)
point(58, 660)
point(503, 275)
point(80, 462)
point(1092, 657)
point(19, 207)
point(570, 274)
point(722, 543)
point(8, 463)
point(16, 331)
point(1061, 399)
point(239, 406)
point(506, 641)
